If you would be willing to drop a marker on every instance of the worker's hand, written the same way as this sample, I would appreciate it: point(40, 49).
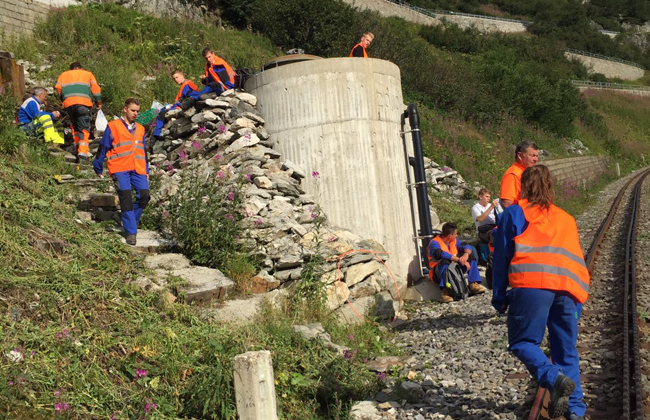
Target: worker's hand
point(495, 202)
point(463, 259)
point(56, 114)
point(100, 175)
point(99, 106)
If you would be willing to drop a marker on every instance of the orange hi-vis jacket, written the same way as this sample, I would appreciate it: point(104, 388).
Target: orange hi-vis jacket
point(548, 254)
point(365, 54)
point(180, 91)
point(511, 183)
point(127, 152)
point(450, 249)
point(78, 87)
point(218, 61)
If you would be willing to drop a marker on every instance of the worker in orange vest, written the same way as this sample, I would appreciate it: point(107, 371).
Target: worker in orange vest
point(526, 155)
point(183, 100)
point(447, 248)
point(124, 146)
point(359, 50)
point(218, 76)
point(538, 254)
point(77, 88)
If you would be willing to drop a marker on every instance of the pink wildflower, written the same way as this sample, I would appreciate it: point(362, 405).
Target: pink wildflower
point(217, 156)
point(196, 144)
point(259, 222)
point(230, 196)
point(183, 155)
point(200, 130)
point(230, 217)
point(220, 174)
point(315, 174)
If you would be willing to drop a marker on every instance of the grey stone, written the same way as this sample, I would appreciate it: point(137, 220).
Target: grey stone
point(297, 172)
point(263, 182)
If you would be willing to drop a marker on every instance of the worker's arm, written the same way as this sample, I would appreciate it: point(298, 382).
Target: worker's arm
point(105, 145)
point(511, 224)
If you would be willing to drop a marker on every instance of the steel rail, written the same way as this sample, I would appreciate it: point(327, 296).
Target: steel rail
point(538, 410)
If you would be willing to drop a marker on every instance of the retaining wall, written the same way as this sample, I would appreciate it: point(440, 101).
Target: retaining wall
point(18, 17)
point(577, 170)
point(386, 8)
point(611, 69)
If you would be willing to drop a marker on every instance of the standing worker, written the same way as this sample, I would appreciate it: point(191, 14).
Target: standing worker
point(123, 143)
point(218, 76)
point(538, 254)
point(526, 155)
point(32, 119)
point(359, 50)
point(77, 88)
point(183, 100)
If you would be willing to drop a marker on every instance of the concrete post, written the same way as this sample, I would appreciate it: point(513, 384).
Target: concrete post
point(618, 170)
point(254, 386)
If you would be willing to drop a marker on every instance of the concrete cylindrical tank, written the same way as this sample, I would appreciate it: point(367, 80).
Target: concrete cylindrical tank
point(341, 117)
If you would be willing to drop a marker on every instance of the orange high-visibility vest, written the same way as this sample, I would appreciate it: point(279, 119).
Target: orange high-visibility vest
point(365, 54)
point(78, 87)
point(511, 190)
point(180, 91)
point(127, 152)
point(218, 61)
point(548, 254)
point(450, 249)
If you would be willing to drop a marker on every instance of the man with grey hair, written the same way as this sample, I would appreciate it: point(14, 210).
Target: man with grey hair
point(33, 120)
point(526, 155)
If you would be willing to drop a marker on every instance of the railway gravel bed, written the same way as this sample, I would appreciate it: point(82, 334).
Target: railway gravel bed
point(455, 363)
point(643, 291)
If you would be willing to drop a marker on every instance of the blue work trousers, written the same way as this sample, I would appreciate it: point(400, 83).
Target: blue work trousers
point(131, 210)
point(473, 276)
point(160, 121)
point(531, 312)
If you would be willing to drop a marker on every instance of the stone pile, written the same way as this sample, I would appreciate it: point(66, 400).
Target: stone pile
point(445, 180)
point(224, 137)
point(576, 147)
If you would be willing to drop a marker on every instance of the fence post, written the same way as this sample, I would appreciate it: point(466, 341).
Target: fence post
point(618, 170)
point(254, 386)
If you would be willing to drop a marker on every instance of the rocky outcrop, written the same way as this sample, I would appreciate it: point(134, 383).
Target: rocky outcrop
point(224, 138)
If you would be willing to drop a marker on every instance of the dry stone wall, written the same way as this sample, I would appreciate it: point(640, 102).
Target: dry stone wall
point(610, 69)
point(18, 17)
point(575, 171)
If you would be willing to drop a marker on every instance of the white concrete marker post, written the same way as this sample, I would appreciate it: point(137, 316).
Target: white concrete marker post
point(255, 386)
point(618, 170)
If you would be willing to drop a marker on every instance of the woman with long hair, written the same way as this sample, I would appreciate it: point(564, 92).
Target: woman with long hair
point(537, 253)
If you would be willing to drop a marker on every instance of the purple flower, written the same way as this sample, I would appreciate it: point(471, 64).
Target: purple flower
point(217, 156)
point(230, 196)
point(314, 215)
point(230, 217)
point(140, 373)
point(170, 168)
point(247, 136)
point(221, 128)
point(331, 239)
point(381, 376)
point(196, 144)
point(11, 383)
point(60, 407)
point(248, 176)
point(351, 337)
point(259, 222)
point(61, 336)
point(183, 155)
point(200, 130)
point(220, 174)
point(148, 407)
point(315, 174)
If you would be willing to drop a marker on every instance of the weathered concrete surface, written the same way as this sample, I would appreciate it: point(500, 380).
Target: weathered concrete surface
point(340, 117)
point(149, 242)
point(254, 386)
point(18, 17)
point(386, 8)
point(611, 69)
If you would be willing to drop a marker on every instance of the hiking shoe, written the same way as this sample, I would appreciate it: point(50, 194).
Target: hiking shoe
point(445, 296)
point(476, 288)
point(574, 416)
point(562, 388)
point(131, 240)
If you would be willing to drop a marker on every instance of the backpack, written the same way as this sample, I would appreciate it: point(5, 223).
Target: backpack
point(455, 282)
point(241, 76)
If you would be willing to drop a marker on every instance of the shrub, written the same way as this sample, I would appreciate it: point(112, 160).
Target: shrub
point(11, 137)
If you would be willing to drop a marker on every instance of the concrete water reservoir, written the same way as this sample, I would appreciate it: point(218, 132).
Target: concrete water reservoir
point(341, 117)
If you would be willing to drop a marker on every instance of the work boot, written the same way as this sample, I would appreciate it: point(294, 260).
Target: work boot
point(131, 239)
point(562, 388)
point(445, 296)
point(476, 288)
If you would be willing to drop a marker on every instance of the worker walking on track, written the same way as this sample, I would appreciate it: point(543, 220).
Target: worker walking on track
point(77, 88)
point(526, 155)
point(538, 254)
point(123, 144)
point(359, 50)
point(33, 120)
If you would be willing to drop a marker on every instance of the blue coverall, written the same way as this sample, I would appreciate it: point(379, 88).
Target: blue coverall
point(160, 121)
point(436, 253)
point(531, 311)
point(124, 182)
point(212, 85)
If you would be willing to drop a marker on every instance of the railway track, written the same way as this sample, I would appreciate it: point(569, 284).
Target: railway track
point(612, 374)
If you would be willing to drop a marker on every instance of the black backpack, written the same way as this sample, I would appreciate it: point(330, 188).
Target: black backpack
point(241, 76)
point(455, 282)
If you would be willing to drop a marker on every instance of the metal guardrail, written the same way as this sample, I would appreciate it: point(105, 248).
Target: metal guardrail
point(606, 32)
point(604, 57)
point(435, 13)
point(604, 85)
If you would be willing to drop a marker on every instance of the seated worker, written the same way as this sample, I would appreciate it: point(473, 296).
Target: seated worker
point(33, 120)
point(218, 76)
point(447, 248)
point(484, 215)
point(359, 50)
point(183, 100)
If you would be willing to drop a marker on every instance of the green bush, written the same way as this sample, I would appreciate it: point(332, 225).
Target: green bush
point(11, 137)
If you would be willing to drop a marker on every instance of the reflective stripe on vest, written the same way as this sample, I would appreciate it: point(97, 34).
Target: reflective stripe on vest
point(365, 54)
point(450, 249)
point(218, 61)
point(127, 150)
point(192, 86)
point(548, 254)
point(78, 87)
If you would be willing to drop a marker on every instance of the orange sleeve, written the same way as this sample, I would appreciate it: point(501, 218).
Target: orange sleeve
point(57, 87)
point(510, 188)
point(94, 87)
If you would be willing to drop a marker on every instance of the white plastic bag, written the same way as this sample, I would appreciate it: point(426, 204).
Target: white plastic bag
point(157, 105)
point(101, 122)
